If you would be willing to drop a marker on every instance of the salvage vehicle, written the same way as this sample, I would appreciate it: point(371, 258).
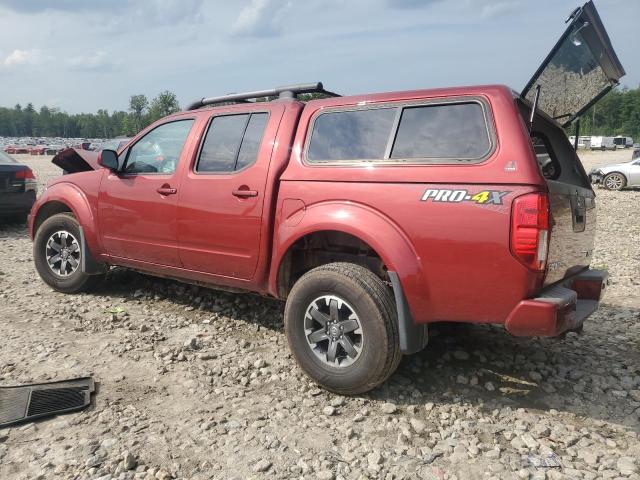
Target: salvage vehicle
point(619, 175)
point(372, 216)
point(603, 143)
point(17, 188)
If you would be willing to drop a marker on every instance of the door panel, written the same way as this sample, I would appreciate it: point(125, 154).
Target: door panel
point(221, 198)
point(137, 207)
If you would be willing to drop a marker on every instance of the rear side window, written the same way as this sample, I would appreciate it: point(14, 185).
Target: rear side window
point(232, 142)
point(547, 160)
point(351, 135)
point(456, 131)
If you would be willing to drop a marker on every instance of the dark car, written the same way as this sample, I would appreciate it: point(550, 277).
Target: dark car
point(17, 188)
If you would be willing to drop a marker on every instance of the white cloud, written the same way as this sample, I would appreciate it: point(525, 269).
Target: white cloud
point(23, 57)
point(96, 62)
point(261, 18)
point(496, 9)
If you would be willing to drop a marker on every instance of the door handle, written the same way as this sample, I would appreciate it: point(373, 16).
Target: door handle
point(242, 193)
point(167, 190)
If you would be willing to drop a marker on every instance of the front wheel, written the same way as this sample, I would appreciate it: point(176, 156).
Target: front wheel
point(57, 254)
point(614, 181)
point(341, 324)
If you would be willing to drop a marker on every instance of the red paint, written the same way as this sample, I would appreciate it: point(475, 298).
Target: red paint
point(454, 260)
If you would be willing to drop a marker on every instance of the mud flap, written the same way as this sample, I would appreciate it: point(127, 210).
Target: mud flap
point(413, 337)
point(26, 403)
point(88, 264)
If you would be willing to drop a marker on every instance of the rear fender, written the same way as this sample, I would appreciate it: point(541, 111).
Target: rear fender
point(76, 200)
point(365, 223)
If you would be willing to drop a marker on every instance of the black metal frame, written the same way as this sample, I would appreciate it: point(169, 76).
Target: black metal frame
point(288, 91)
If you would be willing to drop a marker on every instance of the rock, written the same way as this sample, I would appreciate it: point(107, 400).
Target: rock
point(389, 408)
point(489, 386)
point(325, 475)
point(374, 458)
point(461, 355)
point(329, 410)
point(627, 465)
point(418, 425)
point(262, 466)
point(129, 460)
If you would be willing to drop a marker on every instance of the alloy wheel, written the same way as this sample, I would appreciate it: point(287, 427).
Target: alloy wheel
point(62, 252)
point(614, 181)
point(333, 331)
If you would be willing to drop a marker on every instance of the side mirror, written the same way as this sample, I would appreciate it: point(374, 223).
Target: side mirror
point(108, 159)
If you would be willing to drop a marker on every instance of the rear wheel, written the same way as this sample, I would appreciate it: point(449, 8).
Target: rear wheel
point(340, 321)
point(614, 181)
point(57, 254)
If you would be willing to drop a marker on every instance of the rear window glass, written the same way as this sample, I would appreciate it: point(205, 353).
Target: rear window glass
point(454, 131)
point(351, 135)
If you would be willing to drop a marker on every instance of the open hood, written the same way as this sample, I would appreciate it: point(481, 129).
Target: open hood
point(580, 69)
point(73, 160)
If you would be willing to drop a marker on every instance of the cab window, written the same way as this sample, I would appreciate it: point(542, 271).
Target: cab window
point(159, 150)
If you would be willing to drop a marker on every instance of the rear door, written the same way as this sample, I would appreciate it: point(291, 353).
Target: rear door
point(221, 198)
point(580, 69)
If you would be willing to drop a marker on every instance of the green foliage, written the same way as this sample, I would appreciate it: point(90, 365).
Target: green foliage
point(51, 122)
point(618, 113)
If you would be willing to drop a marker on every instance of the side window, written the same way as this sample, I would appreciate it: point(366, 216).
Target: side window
point(351, 135)
point(449, 132)
point(547, 160)
point(232, 142)
point(456, 131)
point(159, 150)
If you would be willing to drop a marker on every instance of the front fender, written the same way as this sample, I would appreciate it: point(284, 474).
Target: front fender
point(365, 223)
point(82, 207)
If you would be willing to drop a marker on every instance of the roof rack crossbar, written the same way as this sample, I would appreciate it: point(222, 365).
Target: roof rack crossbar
point(288, 91)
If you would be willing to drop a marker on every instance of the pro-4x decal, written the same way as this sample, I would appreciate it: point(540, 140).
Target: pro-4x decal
point(484, 197)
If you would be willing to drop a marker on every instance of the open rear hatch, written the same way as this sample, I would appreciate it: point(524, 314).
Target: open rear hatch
point(73, 160)
point(581, 69)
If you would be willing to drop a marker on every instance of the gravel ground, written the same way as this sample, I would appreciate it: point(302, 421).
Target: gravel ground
point(197, 384)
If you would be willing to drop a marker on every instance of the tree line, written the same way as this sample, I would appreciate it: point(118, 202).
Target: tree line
point(618, 113)
point(26, 121)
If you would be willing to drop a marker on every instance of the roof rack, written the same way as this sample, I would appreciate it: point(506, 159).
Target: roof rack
point(288, 91)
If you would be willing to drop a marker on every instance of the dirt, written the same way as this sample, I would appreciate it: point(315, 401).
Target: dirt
point(199, 384)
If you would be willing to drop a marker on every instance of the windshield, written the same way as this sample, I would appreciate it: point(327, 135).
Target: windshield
point(6, 159)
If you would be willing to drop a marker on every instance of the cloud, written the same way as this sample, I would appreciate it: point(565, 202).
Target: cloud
point(261, 18)
point(23, 57)
point(410, 3)
point(97, 62)
point(142, 13)
point(494, 9)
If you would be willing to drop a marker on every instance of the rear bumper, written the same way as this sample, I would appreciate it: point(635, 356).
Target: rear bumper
point(16, 202)
point(559, 308)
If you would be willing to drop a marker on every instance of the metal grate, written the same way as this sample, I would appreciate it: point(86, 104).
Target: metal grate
point(55, 399)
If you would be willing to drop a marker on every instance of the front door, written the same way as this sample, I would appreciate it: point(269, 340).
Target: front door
point(137, 206)
point(222, 194)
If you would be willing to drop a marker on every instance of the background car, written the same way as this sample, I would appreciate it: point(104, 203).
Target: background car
point(619, 175)
point(17, 188)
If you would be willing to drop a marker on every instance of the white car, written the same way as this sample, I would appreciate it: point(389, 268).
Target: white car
point(619, 175)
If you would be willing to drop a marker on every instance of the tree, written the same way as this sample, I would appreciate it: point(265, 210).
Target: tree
point(164, 104)
point(138, 104)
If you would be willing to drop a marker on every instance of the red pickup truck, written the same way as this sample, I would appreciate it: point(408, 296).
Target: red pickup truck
point(371, 215)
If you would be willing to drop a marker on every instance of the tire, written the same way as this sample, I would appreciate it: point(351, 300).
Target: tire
point(377, 345)
point(69, 279)
point(614, 181)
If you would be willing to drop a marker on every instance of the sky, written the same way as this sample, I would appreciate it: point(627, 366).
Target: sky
point(83, 55)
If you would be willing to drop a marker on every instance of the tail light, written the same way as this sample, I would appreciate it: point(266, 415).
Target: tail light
point(26, 174)
point(530, 230)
